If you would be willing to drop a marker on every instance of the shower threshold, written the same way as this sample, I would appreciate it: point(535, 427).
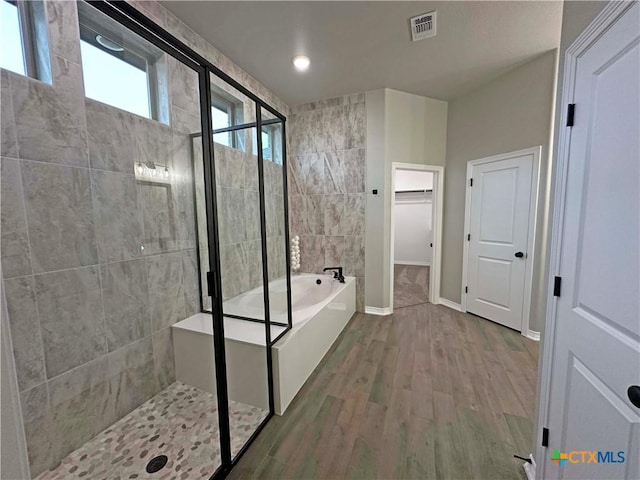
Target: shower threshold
point(180, 422)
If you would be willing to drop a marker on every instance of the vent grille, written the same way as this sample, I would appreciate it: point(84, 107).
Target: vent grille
point(423, 26)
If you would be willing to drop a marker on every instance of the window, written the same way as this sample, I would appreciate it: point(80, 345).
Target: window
point(120, 68)
point(226, 111)
point(271, 142)
point(23, 39)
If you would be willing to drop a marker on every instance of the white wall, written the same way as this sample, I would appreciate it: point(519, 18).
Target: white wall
point(405, 128)
point(412, 217)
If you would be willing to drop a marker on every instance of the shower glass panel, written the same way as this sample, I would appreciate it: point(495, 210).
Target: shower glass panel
point(271, 143)
point(237, 195)
point(113, 267)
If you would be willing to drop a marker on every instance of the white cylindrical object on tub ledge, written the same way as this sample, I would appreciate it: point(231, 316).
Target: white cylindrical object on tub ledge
point(295, 253)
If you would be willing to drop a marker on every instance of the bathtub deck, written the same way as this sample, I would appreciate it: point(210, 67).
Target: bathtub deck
point(243, 331)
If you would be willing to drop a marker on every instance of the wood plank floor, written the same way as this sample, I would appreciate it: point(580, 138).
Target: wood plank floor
point(410, 285)
point(426, 393)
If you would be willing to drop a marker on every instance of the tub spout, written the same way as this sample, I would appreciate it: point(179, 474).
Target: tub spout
point(337, 273)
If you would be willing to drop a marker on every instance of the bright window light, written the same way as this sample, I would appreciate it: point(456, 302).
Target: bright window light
point(11, 51)
point(114, 82)
point(221, 119)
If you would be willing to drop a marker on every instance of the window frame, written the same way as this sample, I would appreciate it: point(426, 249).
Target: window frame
point(137, 52)
point(33, 39)
point(234, 109)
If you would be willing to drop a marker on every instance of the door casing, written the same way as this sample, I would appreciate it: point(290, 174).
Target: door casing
point(536, 152)
point(607, 17)
point(438, 203)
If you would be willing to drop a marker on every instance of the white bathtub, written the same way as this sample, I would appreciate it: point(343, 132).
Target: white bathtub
point(319, 312)
point(307, 298)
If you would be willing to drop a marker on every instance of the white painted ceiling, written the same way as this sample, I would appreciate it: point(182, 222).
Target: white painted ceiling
point(360, 46)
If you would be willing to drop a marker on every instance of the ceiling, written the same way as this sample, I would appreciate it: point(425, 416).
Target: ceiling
point(360, 46)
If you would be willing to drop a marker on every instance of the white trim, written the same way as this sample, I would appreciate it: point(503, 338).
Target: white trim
point(378, 311)
point(417, 264)
point(602, 22)
point(530, 468)
point(532, 335)
point(450, 304)
point(437, 205)
point(536, 152)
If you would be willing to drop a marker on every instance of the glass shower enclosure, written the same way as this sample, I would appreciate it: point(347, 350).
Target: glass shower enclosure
point(176, 214)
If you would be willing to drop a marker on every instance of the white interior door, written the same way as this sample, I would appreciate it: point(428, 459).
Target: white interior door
point(500, 200)
point(596, 348)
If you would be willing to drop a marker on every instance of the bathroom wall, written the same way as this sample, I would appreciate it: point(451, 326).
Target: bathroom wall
point(510, 113)
point(239, 221)
point(97, 263)
point(326, 175)
point(404, 128)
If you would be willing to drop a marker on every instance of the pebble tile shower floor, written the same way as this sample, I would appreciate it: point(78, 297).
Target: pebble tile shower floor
point(180, 422)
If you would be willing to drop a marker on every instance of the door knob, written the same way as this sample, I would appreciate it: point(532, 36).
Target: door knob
point(633, 392)
point(519, 254)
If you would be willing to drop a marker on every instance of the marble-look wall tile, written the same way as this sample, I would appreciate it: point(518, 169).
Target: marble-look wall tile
point(35, 401)
point(312, 253)
point(64, 34)
point(165, 277)
point(184, 86)
point(125, 298)
point(71, 318)
point(163, 358)
point(50, 122)
point(354, 255)
point(334, 251)
point(353, 219)
point(360, 294)
point(59, 216)
point(8, 140)
point(344, 171)
point(80, 379)
point(25, 331)
point(117, 215)
point(111, 137)
point(251, 217)
point(133, 355)
point(16, 258)
point(232, 270)
point(334, 212)
point(328, 130)
point(314, 214)
point(252, 264)
point(191, 282)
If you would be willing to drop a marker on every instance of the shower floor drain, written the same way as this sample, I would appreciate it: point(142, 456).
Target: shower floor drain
point(157, 463)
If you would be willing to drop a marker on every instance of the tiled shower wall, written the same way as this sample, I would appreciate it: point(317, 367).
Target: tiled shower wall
point(96, 264)
point(239, 221)
point(326, 177)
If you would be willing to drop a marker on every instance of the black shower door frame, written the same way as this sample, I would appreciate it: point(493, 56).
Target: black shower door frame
point(140, 24)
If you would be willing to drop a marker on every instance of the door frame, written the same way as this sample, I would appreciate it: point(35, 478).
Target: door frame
point(437, 210)
point(531, 238)
point(607, 17)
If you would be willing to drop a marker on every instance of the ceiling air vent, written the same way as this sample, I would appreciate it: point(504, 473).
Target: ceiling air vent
point(423, 26)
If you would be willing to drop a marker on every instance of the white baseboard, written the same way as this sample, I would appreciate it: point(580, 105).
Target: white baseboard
point(378, 311)
point(450, 304)
point(530, 468)
point(417, 264)
point(532, 335)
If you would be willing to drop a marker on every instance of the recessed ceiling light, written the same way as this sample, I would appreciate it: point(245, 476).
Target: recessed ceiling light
point(109, 44)
point(301, 62)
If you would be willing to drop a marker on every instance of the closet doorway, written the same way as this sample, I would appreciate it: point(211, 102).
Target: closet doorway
point(415, 234)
